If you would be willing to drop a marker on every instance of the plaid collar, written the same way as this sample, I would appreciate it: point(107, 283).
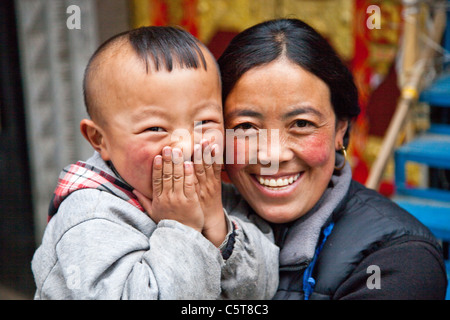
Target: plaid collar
point(84, 176)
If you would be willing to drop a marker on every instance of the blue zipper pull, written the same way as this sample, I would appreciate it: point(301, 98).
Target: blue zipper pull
point(310, 287)
point(308, 281)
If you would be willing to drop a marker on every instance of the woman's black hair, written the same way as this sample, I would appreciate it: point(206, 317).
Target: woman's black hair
point(302, 45)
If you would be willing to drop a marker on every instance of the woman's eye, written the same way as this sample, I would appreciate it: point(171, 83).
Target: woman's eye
point(156, 129)
point(302, 123)
point(244, 126)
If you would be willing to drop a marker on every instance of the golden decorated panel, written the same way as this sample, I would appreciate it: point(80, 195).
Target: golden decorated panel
point(332, 18)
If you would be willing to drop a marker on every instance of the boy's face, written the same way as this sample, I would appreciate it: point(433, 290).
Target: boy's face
point(142, 113)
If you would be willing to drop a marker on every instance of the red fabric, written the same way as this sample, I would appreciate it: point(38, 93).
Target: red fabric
point(83, 176)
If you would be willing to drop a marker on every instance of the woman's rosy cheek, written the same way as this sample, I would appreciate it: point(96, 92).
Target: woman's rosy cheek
point(317, 151)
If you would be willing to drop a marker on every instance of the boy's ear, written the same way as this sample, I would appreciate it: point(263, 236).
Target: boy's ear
point(95, 136)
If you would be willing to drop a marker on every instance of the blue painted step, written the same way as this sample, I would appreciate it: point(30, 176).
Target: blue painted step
point(430, 149)
point(433, 214)
point(438, 93)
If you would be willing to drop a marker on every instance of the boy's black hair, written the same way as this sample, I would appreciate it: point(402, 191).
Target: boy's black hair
point(164, 47)
point(302, 45)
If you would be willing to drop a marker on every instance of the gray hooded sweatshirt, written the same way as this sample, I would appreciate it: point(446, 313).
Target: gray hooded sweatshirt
point(99, 246)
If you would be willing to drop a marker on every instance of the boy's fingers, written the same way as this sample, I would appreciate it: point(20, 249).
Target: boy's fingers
point(189, 180)
point(198, 164)
point(167, 170)
point(207, 159)
point(178, 171)
point(157, 176)
point(196, 183)
point(217, 165)
point(198, 157)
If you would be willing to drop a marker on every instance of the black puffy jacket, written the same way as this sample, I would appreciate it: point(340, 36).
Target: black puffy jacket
point(372, 235)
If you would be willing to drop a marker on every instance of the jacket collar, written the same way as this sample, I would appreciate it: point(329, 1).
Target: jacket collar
point(93, 174)
point(298, 240)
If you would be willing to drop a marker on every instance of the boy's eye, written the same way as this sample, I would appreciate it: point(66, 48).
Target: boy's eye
point(199, 123)
point(156, 129)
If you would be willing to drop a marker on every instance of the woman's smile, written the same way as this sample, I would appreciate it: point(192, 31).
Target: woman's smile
point(277, 182)
point(277, 186)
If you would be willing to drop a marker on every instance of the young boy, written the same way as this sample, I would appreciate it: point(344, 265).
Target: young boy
point(145, 222)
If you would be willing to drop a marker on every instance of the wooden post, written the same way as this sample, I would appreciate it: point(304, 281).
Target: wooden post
point(410, 92)
point(410, 39)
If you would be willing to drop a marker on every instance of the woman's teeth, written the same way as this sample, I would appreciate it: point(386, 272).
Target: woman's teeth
point(280, 182)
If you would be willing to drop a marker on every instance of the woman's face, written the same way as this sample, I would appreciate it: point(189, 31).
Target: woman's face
point(284, 97)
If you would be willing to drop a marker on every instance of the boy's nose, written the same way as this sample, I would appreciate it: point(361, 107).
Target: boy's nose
point(184, 140)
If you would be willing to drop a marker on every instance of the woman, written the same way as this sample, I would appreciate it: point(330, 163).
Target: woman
point(338, 240)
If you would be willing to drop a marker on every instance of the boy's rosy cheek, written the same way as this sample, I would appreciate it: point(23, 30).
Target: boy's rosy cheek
point(142, 154)
point(141, 162)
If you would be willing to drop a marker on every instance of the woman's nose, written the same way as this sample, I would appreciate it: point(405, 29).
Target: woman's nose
point(285, 152)
point(274, 150)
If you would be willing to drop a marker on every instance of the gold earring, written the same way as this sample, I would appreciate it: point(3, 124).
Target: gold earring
point(344, 152)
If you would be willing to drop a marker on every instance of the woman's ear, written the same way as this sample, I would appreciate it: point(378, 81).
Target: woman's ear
point(95, 136)
point(341, 129)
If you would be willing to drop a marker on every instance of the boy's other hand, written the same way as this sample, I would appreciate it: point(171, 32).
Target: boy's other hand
point(209, 189)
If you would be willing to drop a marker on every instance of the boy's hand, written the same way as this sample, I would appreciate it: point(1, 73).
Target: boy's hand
point(209, 191)
point(174, 194)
